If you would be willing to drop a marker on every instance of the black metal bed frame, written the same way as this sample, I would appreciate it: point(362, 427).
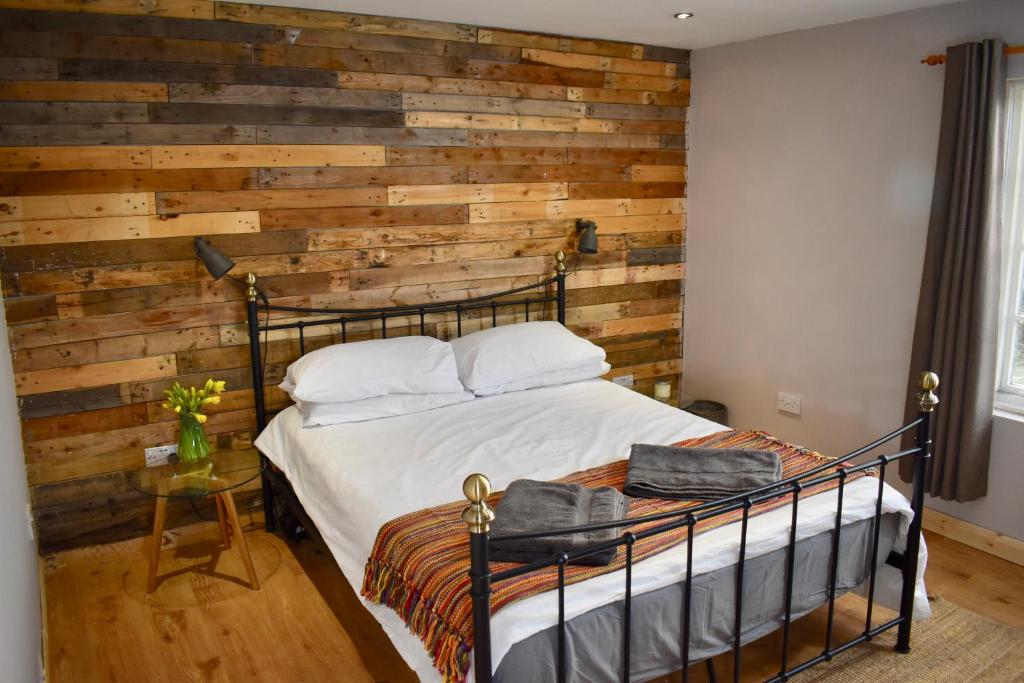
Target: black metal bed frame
point(274, 480)
point(478, 515)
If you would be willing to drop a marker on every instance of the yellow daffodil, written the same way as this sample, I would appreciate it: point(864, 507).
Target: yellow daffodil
point(200, 418)
point(211, 400)
point(177, 409)
point(218, 387)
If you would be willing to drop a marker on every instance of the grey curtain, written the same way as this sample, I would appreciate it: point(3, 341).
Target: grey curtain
point(958, 310)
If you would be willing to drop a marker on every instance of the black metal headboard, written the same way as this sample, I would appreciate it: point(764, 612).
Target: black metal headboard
point(258, 304)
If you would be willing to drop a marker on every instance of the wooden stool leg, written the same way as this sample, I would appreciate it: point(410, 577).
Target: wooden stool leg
point(159, 519)
point(222, 519)
point(243, 547)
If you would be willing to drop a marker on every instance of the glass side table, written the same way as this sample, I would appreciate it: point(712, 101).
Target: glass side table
point(217, 476)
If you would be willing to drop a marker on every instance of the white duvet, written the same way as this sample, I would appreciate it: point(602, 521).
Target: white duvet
point(352, 478)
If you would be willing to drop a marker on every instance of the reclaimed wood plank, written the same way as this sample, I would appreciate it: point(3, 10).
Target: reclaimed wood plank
point(345, 21)
point(405, 83)
point(89, 376)
point(655, 83)
point(127, 227)
point(125, 134)
point(154, 250)
point(39, 113)
point(69, 402)
point(539, 123)
point(235, 114)
point(491, 105)
point(645, 173)
point(226, 156)
point(70, 91)
point(354, 135)
point(175, 72)
point(189, 9)
point(599, 157)
point(27, 309)
point(74, 158)
point(89, 422)
point(630, 190)
point(546, 173)
point(251, 200)
point(123, 347)
point(427, 156)
point(560, 43)
point(101, 182)
point(327, 177)
point(469, 194)
point(216, 93)
point(523, 138)
point(599, 63)
point(447, 272)
point(354, 40)
point(410, 235)
point(140, 49)
point(23, 68)
point(514, 211)
point(361, 217)
point(601, 110)
point(76, 206)
point(124, 24)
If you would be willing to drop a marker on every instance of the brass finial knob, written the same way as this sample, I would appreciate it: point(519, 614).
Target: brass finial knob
point(559, 261)
point(927, 400)
point(477, 515)
point(250, 280)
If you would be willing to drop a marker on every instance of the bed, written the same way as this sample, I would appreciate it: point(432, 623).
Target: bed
point(746, 579)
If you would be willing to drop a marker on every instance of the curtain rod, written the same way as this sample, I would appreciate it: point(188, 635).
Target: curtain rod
point(932, 60)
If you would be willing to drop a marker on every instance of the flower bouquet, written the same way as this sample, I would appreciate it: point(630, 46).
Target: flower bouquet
point(193, 446)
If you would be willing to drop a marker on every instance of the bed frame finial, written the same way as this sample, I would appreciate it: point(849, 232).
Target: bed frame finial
point(477, 515)
point(251, 292)
point(927, 400)
point(559, 262)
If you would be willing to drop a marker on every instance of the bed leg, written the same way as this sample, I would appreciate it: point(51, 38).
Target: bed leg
point(927, 401)
point(479, 517)
point(712, 678)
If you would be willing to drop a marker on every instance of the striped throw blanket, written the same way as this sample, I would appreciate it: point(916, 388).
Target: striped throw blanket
point(420, 562)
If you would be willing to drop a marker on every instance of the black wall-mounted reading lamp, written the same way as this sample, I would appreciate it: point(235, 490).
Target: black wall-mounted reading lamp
point(218, 264)
point(588, 236)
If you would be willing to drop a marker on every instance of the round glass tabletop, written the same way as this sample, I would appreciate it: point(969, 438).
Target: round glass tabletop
point(222, 471)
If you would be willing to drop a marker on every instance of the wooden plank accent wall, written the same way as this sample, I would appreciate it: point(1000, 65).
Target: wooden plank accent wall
point(349, 160)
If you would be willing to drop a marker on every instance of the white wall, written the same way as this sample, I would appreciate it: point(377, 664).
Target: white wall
point(20, 624)
point(810, 177)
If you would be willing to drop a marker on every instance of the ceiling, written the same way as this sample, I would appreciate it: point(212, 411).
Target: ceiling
point(639, 21)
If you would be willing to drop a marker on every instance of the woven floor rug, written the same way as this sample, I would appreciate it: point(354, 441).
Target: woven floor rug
point(953, 646)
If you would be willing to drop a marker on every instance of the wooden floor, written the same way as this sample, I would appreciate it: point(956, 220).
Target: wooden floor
point(305, 624)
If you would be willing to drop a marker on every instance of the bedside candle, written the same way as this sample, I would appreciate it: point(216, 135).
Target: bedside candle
point(662, 390)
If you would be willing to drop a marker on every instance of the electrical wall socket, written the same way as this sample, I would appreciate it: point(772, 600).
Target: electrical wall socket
point(624, 381)
point(788, 403)
point(158, 454)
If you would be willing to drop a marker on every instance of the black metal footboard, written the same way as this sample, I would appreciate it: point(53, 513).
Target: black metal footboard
point(478, 517)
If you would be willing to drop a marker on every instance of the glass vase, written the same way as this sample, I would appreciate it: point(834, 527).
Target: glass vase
point(193, 446)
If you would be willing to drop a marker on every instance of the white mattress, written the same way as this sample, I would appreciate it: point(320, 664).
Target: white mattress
point(352, 478)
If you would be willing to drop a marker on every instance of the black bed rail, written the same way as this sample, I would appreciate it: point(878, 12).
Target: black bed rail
point(478, 517)
point(552, 291)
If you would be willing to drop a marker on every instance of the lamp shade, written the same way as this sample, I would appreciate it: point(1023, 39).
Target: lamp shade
point(588, 236)
point(217, 264)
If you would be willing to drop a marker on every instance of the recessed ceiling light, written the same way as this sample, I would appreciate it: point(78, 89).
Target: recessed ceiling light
point(683, 15)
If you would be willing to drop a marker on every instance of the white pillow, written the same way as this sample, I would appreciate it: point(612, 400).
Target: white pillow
point(378, 367)
point(549, 379)
point(524, 356)
point(321, 414)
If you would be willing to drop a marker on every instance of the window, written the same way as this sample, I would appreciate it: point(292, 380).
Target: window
point(1011, 366)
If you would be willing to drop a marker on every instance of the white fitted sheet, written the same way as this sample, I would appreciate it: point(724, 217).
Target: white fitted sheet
point(352, 478)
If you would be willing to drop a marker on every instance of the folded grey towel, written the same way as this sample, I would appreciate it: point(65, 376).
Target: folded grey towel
point(540, 505)
point(698, 473)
